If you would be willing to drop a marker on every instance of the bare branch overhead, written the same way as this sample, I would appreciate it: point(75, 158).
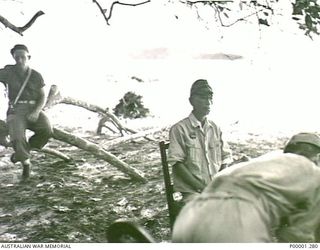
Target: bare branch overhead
point(237, 20)
point(205, 1)
point(218, 8)
point(20, 30)
point(103, 11)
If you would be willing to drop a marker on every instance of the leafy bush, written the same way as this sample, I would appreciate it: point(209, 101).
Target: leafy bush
point(131, 106)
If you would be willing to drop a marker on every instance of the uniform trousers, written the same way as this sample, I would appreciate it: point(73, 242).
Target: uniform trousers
point(18, 124)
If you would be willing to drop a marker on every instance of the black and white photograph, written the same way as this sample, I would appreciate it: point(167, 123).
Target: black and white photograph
point(159, 121)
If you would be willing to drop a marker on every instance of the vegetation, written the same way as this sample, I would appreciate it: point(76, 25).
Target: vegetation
point(304, 12)
point(227, 12)
point(131, 106)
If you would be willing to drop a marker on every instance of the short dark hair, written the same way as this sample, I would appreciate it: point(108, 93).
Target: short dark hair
point(301, 148)
point(19, 47)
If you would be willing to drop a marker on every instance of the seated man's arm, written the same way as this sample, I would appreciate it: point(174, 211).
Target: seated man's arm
point(4, 132)
point(180, 171)
point(3, 76)
point(177, 157)
point(226, 154)
point(34, 115)
point(39, 98)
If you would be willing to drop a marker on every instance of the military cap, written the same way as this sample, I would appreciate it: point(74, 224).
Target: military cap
point(19, 47)
point(201, 87)
point(309, 138)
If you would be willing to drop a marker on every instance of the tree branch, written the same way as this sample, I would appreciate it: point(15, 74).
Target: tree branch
point(213, 3)
point(103, 11)
point(55, 153)
point(20, 30)
point(238, 20)
point(99, 152)
point(55, 97)
point(144, 134)
point(205, 1)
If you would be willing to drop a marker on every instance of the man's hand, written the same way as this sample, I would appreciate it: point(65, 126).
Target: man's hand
point(4, 141)
point(33, 117)
point(182, 172)
point(224, 166)
point(201, 186)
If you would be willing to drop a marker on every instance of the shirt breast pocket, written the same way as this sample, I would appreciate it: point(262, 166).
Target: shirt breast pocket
point(194, 153)
point(215, 151)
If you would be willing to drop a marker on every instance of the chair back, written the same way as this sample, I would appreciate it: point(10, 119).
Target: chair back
point(167, 181)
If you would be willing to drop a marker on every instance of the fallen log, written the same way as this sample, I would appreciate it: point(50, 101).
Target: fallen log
point(98, 152)
point(56, 153)
point(144, 134)
point(81, 143)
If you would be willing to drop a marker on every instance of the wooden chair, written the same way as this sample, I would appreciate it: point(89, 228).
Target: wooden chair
point(173, 206)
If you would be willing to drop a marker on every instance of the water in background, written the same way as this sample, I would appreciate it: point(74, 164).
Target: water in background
point(273, 88)
point(247, 96)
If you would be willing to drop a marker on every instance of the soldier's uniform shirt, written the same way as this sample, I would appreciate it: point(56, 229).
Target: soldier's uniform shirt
point(201, 149)
point(17, 120)
point(249, 202)
point(13, 80)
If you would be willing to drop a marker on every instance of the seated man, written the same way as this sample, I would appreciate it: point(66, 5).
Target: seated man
point(273, 198)
point(197, 151)
point(25, 105)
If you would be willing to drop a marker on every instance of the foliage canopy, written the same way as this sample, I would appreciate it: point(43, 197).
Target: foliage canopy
point(304, 12)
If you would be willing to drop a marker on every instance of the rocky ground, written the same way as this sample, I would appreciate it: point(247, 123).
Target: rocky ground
point(77, 201)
